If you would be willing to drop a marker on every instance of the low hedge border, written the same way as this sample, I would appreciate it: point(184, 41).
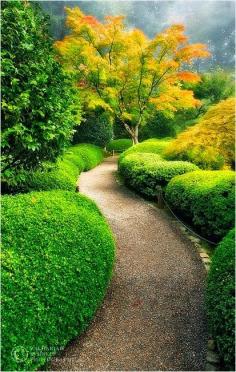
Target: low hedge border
point(58, 254)
point(153, 146)
point(144, 172)
point(205, 200)
point(220, 299)
point(63, 174)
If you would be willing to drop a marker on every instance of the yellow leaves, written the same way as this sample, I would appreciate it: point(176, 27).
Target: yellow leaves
point(107, 59)
point(125, 116)
point(173, 98)
point(213, 135)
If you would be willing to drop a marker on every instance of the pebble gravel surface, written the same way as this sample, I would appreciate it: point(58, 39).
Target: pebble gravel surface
point(153, 316)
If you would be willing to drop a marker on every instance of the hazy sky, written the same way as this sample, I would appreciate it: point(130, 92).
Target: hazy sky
point(211, 22)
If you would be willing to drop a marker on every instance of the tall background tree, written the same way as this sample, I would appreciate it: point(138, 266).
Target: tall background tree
point(126, 73)
point(39, 106)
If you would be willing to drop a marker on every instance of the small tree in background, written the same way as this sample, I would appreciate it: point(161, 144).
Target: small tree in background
point(39, 108)
point(96, 128)
point(125, 72)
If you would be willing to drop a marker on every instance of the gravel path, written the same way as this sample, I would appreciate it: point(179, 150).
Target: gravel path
point(153, 316)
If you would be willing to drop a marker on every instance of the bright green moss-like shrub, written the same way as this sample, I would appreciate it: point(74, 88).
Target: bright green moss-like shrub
point(145, 171)
point(205, 200)
point(154, 146)
point(119, 145)
point(221, 300)
point(58, 255)
point(63, 174)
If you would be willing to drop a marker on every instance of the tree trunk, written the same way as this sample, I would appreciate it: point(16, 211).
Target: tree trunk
point(133, 132)
point(135, 135)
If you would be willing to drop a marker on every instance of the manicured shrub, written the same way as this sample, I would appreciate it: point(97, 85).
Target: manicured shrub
point(97, 128)
point(221, 300)
point(58, 254)
point(210, 143)
point(204, 199)
point(39, 106)
point(119, 145)
point(63, 174)
point(154, 146)
point(145, 171)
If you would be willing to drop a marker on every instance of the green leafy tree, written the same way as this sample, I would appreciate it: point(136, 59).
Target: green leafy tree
point(39, 107)
point(96, 128)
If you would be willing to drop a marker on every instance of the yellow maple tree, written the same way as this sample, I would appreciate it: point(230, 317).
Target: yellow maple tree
point(124, 71)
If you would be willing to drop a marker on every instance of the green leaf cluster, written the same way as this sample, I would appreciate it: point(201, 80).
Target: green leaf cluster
point(39, 105)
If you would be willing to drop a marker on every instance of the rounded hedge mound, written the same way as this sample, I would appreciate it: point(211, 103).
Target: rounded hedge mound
point(145, 171)
point(205, 200)
point(119, 145)
point(58, 255)
point(153, 146)
point(64, 174)
point(221, 299)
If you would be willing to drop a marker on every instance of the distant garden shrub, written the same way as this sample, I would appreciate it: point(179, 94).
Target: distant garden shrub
point(58, 255)
point(154, 146)
point(210, 143)
point(96, 128)
point(205, 200)
point(145, 171)
point(119, 145)
point(63, 174)
point(39, 106)
point(221, 300)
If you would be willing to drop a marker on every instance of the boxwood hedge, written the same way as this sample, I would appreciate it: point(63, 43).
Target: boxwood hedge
point(205, 200)
point(119, 145)
point(145, 171)
point(221, 300)
point(154, 146)
point(63, 174)
point(58, 254)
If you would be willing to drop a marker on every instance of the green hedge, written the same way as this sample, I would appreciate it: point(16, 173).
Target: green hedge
point(145, 171)
point(154, 146)
point(58, 255)
point(204, 199)
point(221, 300)
point(119, 145)
point(63, 174)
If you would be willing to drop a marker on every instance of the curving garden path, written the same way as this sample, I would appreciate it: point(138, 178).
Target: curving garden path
point(153, 316)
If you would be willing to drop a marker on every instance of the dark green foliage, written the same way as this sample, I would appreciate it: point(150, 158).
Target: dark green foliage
point(145, 171)
point(63, 174)
point(158, 126)
point(96, 129)
point(39, 108)
point(214, 86)
point(58, 254)
point(205, 200)
point(221, 300)
point(119, 145)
